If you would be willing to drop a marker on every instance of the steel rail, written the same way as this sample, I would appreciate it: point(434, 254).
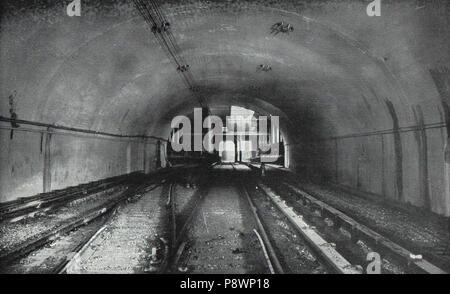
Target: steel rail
point(29, 246)
point(271, 251)
point(328, 253)
point(67, 264)
point(168, 246)
point(263, 233)
point(176, 247)
point(266, 255)
point(13, 204)
point(82, 246)
point(51, 203)
point(47, 237)
point(37, 242)
point(360, 231)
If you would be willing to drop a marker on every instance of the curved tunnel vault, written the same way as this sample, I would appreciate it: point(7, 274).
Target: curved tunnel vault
point(363, 100)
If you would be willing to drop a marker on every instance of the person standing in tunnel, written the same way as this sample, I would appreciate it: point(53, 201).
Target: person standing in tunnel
point(263, 169)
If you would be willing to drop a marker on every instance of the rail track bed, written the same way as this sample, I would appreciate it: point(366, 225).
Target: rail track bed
point(295, 256)
point(50, 250)
point(45, 203)
point(48, 241)
point(352, 239)
point(55, 254)
point(221, 238)
point(229, 233)
point(217, 219)
point(125, 242)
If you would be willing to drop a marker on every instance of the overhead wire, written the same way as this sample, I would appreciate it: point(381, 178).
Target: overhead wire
point(154, 17)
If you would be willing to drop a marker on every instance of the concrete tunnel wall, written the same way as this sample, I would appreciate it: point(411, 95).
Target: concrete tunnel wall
point(339, 78)
point(72, 161)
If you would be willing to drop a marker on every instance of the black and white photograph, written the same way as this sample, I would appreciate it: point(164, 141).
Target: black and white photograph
point(223, 145)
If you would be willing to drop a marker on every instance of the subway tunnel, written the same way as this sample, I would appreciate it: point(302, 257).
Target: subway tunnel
point(362, 101)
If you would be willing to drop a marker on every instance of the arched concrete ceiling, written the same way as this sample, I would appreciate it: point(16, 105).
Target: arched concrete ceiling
point(105, 71)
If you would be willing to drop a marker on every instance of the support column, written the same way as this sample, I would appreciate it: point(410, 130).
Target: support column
point(447, 179)
point(236, 149)
point(398, 151)
point(163, 154)
point(145, 168)
point(129, 158)
point(47, 176)
point(421, 138)
point(286, 155)
point(336, 160)
point(383, 167)
point(158, 155)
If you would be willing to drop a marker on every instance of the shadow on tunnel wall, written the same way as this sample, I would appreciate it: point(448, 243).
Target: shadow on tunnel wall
point(312, 157)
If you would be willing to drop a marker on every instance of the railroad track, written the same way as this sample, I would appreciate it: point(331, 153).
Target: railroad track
point(104, 211)
point(411, 262)
point(316, 223)
point(162, 252)
point(327, 254)
point(22, 208)
point(270, 255)
point(87, 225)
point(179, 224)
point(165, 177)
point(220, 237)
point(79, 249)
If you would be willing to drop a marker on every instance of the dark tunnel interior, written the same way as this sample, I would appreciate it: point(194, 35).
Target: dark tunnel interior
point(363, 101)
point(224, 137)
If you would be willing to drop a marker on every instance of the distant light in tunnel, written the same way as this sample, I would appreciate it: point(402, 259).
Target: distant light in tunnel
point(255, 135)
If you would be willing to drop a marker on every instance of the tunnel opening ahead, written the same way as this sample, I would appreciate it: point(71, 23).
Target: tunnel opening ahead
point(227, 152)
point(235, 135)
